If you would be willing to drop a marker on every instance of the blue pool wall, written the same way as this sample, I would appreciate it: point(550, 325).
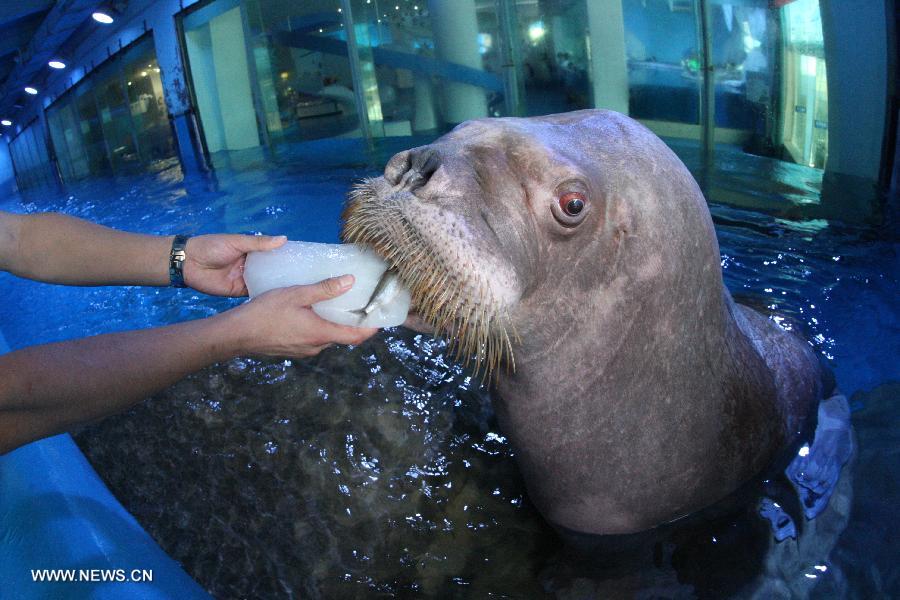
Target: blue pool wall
point(56, 513)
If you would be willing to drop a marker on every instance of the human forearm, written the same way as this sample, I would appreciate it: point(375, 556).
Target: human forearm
point(47, 389)
point(57, 248)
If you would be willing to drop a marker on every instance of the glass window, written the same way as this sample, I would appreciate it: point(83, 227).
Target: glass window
point(217, 44)
point(554, 54)
point(663, 47)
point(30, 158)
point(428, 66)
point(147, 105)
point(804, 86)
point(115, 120)
point(302, 67)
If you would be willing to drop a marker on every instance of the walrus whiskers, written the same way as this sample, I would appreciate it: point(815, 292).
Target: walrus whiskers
point(460, 308)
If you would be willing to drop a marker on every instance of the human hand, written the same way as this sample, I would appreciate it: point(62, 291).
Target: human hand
point(214, 264)
point(281, 322)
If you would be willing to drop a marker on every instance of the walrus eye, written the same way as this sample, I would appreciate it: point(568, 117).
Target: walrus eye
point(570, 208)
point(572, 204)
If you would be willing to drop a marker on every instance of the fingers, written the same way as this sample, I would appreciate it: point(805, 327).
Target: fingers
point(324, 290)
point(342, 334)
point(268, 242)
point(257, 243)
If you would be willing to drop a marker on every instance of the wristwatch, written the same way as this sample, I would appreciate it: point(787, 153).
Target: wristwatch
point(176, 261)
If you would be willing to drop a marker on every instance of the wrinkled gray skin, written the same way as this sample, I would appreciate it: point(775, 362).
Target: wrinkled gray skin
point(642, 392)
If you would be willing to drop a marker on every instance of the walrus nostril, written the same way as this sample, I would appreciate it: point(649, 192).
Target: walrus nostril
point(397, 167)
point(420, 164)
point(426, 161)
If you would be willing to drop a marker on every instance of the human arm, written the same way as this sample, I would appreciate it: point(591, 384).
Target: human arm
point(50, 388)
point(57, 248)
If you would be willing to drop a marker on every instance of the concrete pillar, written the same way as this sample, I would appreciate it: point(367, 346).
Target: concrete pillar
point(455, 26)
point(609, 69)
point(424, 118)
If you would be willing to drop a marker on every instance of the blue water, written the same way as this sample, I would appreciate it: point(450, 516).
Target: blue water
point(380, 467)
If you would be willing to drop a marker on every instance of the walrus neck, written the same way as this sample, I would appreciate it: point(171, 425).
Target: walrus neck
point(703, 340)
point(692, 382)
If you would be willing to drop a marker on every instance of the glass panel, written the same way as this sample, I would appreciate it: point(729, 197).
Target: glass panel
point(554, 55)
point(115, 119)
point(805, 126)
point(432, 65)
point(88, 119)
point(303, 69)
point(40, 163)
point(220, 74)
point(58, 136)
point(662, 47)
point(147, 105)
point(770, 80)
point(66, 133)
point(30, 159)
point(15, 148)
point(744, 54)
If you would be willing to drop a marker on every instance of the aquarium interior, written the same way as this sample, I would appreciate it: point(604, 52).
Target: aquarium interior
point(379, 469)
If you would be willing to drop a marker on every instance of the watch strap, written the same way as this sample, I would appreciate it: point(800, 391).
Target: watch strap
point(176, 261)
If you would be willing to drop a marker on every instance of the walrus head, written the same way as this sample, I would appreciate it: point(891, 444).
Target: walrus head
point(491, 222)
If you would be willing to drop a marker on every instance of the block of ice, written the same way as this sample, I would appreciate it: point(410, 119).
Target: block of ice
point(300, 263)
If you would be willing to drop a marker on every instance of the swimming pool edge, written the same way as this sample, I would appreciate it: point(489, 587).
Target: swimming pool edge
point(56, 513)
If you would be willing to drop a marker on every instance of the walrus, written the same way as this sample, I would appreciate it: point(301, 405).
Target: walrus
point(573, 257)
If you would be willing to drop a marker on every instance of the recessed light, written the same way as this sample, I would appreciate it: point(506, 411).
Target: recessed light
point(102, 17)
point(57, 64)
point(6, 122)
point(30, 90)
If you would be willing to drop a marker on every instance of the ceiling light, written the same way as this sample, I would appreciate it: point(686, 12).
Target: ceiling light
point(30, 90)
point(102, 17)
point(57, 64)
point(6, 122)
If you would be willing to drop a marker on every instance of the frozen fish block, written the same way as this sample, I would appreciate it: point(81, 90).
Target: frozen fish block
point(300, 263)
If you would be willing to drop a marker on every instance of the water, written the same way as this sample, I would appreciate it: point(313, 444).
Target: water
point(380, 468)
